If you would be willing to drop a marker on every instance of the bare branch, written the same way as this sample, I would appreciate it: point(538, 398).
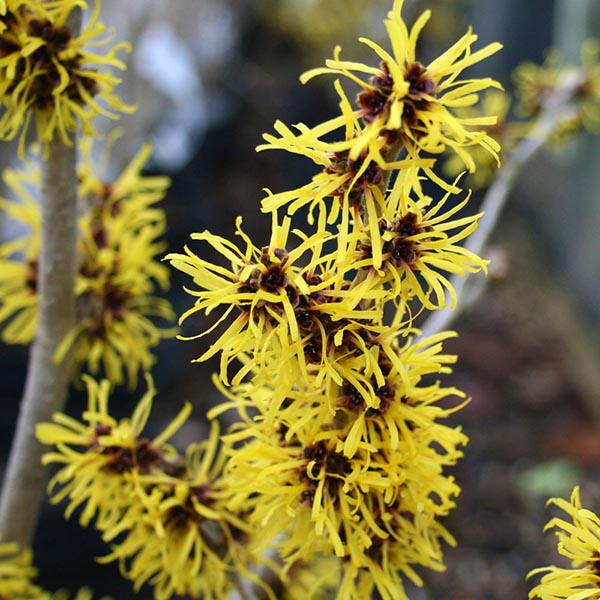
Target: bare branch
point(47, 383)
point(555, 109)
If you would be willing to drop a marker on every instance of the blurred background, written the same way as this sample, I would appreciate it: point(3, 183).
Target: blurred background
point(210, 76)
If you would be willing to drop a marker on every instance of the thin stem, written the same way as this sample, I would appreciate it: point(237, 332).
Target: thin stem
point(47, 383)
point(391, 154)
point(498, 192)
point(243, 593)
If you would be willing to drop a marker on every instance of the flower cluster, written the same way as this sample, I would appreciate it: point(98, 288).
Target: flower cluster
point(579, 541)
point(341, 455)
point(406, 100)
point(535, 83)
point(17, 573)
point(120, 230)
point(161, 512)
point(49, 74)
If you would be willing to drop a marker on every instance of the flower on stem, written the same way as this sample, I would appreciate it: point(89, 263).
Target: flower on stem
point(262, 285)
point(404, 98)
point(163, 514)
point(416, 244)
point(330, 481)
point(342, 452)
point(115, 285)
point(103, 458)
point(579, 541)
point(535, 83)
point(119, 271)
point(345, 178)
point(49, 75)
point(409, 538)
point(120, 232)
point(177, 535)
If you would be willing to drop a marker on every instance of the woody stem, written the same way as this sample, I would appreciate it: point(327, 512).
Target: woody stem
point(47, 383)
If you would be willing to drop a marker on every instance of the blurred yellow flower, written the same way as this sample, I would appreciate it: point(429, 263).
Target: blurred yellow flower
point(535, 83)
point(19, 258)
point(119, 271)
point(50, 76)
point(315, 580)
point(17, 574)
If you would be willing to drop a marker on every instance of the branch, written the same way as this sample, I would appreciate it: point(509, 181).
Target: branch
point(47, 383)
point(498, 192)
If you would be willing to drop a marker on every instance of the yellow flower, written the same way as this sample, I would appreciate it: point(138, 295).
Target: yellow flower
point(347, 178)
point(309, 498)
point(587, 95)
point(263, 286)
point(103, 458)
point(81, 594)
point(364, 481)
point(534, 84)
point(131, 196)
point(50, 75)
point(118, 249)
point(416, 245)
point(405, 99)
point(409, 538)
point(316, 580)
point(17, 574)
point(119, 271)
point(322, 20)
point(494, 102)
point(177, 535)
point(8, 6)
point(19, 259)
point(579, 541)
point(115, 284)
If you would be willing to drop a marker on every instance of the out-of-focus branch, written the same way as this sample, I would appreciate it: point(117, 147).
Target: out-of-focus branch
point(47, 383)
point(557, 106)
